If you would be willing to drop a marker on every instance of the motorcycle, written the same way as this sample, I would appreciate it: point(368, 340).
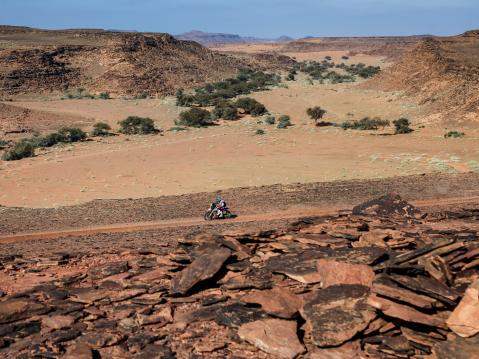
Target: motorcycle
point(218, 213)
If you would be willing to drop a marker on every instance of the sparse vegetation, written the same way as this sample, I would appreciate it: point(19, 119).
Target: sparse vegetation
point(177, 129)
point(270, 120)
point(225, 110)
point(402, 126)
point(134, 125)
point(284, 122)
point(101, 129)
point(21, 149)
point(246, 82)
point(195, 117)
point(72, 134)
point(81, 93)
point(454, 134)
point(250, 106)
point(322, 71)
point(260, 132)
point(104, 96)
point(365, 124)
point(316, 113)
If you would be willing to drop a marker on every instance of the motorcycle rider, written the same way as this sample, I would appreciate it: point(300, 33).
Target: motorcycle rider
point(219, 205)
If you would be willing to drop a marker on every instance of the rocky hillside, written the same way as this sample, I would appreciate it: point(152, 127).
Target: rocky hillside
point(39, 61)
point(442, 73)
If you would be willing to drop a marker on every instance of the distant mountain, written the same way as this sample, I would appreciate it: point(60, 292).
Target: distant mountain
point(207, 38)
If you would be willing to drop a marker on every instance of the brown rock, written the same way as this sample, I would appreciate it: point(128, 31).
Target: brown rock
point(279, 302)
point(274, 336)
point(464, 320)
point(58, 321)
point(389, 205)
point(18, 309)
point(99, 340)
point(373, 238)
point(108, 270)
point(403, 312)
point(336, 314)
point(89, 295)
point(207, 263)
point(152, 276)
point(334, 272)
point(457, 348)
point(388, 289)
point(79, 351)
point(346, 351)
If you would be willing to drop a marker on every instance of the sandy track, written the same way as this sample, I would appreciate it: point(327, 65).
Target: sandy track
point(189, 222)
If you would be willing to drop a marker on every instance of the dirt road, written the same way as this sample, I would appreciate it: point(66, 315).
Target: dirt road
point(189, 222)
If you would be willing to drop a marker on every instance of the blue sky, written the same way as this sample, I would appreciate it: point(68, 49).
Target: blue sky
point(263, 18)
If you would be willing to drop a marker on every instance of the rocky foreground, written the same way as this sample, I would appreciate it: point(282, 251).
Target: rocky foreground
point(384, 281)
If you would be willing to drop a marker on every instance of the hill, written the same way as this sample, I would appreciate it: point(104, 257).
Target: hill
point(442, 73)
point(41, 61)
point(207, 38)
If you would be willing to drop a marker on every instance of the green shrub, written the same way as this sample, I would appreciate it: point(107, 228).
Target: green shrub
point(251, 106)
point(270, 120)
point(454, 134)
point(134, 125)
point(195, 117)
point(316, 113)
point(284, 121)
point(226, 111)
point(49, 140)
point(402, 126)
point(3, 143)
point(291, 77)
point(101, 129)
point(72, 134)
point(104, 96)
point(365, 124)
point(260, 132)
point(21, 149)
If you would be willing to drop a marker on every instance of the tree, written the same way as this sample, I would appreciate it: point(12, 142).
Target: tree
point(72, 134)
point(316, 113)
point(101, 129)
point(251, 106)
point(134, 125)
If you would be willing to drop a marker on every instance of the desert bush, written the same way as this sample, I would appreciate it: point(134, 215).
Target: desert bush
point(101, 129)
point(365, 123)
point(20, 149)
point(49, 140)
point(345, 57)
point(195, 117)
point(3, 143)
point(72, 134)
point(104, 96)
point(251, 106)
point(316, 113)
point(454, 134)
point(402, 126)
point(259, 131)
point(182, 99)
point(226, 111)
point(177, 129)
point(291, 77)
point(270, 120)
point(134, 125)
point(284, 121)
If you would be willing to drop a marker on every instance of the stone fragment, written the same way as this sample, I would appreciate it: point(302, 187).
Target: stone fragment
point(58, 321)
point(337, 313)
point(102, 339)
point(404, 312)
point(274, 336)
point(206, 264)
point(457, 347)
point(279, 302)
point(464, 320)
point(348, 350)
point(17, 309)
point(334, 272)
point(89, 295)
point(108, 270)
point(152, 276)
point(79, 351)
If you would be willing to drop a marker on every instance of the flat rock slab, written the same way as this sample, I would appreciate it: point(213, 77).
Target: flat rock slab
point(279, 302)
point(207, 263)
point(404, 312)
point(389, 205)
point(333, 272)
point(457, 348)
point(17, 309)
point(108, 270)
point(274, 336)
point(336, 314)
point(58, 321)
point(464, 320)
